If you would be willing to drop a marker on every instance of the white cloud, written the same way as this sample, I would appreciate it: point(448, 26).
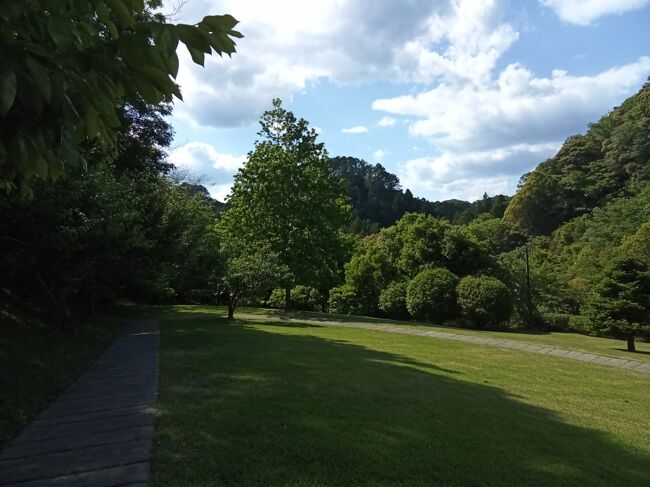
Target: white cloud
point(291, 44)
point(469, 175)
point(501, 129)
point(584, 12)
point(200, 158)
point(359, 129)
point(515, 107)
point(379, 154)
point(212, 168)
point(220, 192)
point(386, 122)
point(486, 125)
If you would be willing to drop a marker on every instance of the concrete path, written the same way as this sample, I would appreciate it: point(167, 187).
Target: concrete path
point(98, 432)
point(594, 358)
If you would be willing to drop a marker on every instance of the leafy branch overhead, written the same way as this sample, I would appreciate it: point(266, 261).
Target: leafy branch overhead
point(67, 66)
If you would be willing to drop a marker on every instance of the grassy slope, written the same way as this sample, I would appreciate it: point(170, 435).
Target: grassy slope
point(273, 403)
point(571, 341)
point(39, 362)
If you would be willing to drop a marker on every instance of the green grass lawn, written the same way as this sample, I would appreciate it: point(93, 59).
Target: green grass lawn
point(570, 341)
point(266, 402)
point(39, 362)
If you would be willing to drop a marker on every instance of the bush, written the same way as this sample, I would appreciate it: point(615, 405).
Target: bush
point(484, 300)
point(553, 320)
point(343, 300)
point(276, 300)
point(432, 295)
point(580, 324)
point(392, 300)
point(303, 298)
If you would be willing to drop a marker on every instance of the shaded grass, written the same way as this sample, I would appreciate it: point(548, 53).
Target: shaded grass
point(569, 341)
point(38, 362)
point(272, 403)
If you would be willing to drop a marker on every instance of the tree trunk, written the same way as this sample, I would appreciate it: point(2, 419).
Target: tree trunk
point(231, 310)
point(59, 307)
point(90, 293)
point(287, 298)
point(631, 347)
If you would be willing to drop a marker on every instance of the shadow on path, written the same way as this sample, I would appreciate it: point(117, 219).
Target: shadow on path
point(99, 431)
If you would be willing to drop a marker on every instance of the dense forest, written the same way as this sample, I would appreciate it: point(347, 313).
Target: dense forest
point(378, 200)
point(570, 252)
point(92, 212)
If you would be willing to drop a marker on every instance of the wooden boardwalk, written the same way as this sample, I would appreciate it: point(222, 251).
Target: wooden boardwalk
point(98, 432)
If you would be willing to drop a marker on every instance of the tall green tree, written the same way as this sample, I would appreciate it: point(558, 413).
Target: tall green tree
point(66, 68)
point(287, 197)
point(622, 304)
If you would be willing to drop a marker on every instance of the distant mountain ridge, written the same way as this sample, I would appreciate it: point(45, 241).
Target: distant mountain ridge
point(610, 161)
point(378, 199)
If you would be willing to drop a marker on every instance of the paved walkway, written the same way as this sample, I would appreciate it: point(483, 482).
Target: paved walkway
point(594, 358)
point(99, 432)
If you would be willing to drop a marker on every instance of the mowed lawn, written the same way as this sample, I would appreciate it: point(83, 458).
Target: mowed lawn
point(257, 402)
point(570, 341)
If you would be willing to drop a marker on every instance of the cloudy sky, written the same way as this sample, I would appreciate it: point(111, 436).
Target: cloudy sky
point(457, 97)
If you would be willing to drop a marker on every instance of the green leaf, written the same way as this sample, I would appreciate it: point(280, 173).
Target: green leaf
point(39, 76)
point(41, 167)
point(137, 5)
point(112, 29)
point(222, 23)
point(132, 50)
point(7, 90)
point(92, 122)
point(103, 12)
point(198, 56)
point(122, 13)
point(176, 91)
point(158, 77)
point(193, 37)
point(166, 38)
point(61, 34)
point(172, 64)
point(146, 89)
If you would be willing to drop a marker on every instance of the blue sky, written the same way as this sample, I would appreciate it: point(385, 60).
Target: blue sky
point(457, 97)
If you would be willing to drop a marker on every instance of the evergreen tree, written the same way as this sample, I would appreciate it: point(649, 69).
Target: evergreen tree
point(623, 300)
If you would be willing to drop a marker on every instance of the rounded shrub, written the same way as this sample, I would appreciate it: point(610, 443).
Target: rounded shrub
point(342, 300)
point(303, 298)
point(431, 295)
point(276, 300)
point(392, 300)
point(484, 300)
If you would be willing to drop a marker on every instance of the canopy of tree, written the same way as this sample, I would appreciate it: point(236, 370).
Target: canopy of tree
point(572, 249)
point(608, 162)
point(66, 66)
point(287, 198)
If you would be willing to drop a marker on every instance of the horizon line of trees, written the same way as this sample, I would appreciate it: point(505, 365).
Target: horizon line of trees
point(101, 217)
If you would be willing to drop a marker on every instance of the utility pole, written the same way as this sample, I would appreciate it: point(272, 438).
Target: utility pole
point(529, 295)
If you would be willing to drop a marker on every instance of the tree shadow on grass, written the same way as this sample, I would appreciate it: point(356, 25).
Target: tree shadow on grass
point(283, 324)
point(351, 319)
point(265, 408)
point(632, 354)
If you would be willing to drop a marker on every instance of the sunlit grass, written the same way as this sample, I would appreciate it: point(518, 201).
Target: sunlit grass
point(570, 341)
point(266, 402)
